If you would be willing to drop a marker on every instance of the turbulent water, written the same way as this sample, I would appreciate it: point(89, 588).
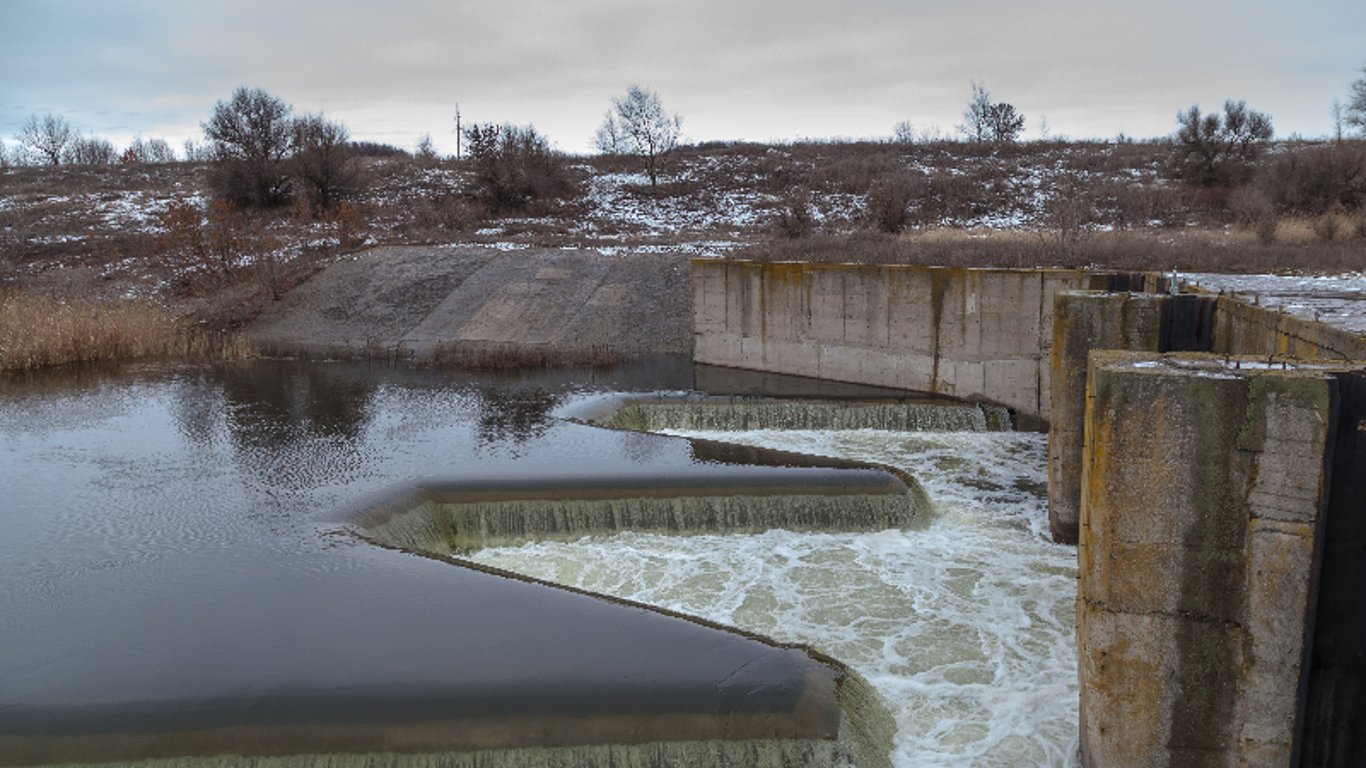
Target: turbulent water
point(965, 627)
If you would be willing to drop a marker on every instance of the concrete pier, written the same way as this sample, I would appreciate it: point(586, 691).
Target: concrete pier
point(1209, 487)
point(1086, 321)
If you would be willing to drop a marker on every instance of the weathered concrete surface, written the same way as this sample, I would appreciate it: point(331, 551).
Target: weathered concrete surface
point(1086, 321)
point(971, 333)
point(1247, 329)
point(1158, 323)
point(1083, 321)
point(424, 302)
point(1204, 486)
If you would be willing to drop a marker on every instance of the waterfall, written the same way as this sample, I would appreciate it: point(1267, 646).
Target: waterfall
point(742, 415)
point(445, 527)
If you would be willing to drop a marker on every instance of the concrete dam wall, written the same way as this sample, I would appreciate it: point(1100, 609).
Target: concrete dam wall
point(973, 333)
point(1212, 473)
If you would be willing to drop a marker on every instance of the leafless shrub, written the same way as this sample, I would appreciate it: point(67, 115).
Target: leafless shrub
point(853, 172)
point(515, 168)
point(1195, 253)
point(1069, 214)
point(1216, 151)
point(888, 203)
point(794, 217)
point(350, 226)
point(446, 213)
point(182, 235)
point(1315, 180)
point(90, 150)
point(252, 135)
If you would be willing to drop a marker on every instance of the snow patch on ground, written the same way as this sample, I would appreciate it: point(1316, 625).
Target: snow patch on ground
point(1337, 300)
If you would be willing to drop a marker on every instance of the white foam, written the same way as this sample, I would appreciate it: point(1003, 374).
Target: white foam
point(966, 627)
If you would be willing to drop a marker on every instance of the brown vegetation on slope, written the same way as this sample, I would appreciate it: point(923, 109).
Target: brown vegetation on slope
point(154, 231)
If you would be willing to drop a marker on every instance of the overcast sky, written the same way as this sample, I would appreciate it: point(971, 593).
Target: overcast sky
point(734, 69)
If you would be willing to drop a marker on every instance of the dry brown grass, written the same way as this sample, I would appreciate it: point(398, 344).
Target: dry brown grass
point(1194, 250)
point(38, 331)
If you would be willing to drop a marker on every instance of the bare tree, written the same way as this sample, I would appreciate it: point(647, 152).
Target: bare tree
point(90, 150)
point(252, 134)
point(1213, 150)
point(47, 137)
point(643, 128)
point(1355, 112)
point(197, 153)
point(142, 150)
point(324, 163)
point(903, 133)
point(609, 137)
point(976, 118)
point(1336, 112)
point(426, 152)
point(987, 121)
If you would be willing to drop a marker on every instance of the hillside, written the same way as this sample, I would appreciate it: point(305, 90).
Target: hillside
point(152, 230)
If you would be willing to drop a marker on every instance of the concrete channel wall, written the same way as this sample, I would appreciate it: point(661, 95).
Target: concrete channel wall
point(972, 333)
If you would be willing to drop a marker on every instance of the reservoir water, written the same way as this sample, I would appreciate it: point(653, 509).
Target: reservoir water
point(148, 505)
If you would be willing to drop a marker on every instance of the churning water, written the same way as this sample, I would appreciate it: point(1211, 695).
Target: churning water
point(965, 627)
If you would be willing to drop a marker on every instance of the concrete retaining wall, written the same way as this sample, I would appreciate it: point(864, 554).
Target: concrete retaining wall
point(972, 333)
point(1206, 489)
point(1246, 329)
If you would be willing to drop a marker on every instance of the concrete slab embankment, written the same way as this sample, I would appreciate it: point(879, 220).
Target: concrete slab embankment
point(421, 303)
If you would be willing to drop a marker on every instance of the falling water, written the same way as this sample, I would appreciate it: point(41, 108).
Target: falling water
point(965, 627)
point(744, 414)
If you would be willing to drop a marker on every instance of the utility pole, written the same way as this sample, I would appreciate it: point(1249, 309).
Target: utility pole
point(457, 130)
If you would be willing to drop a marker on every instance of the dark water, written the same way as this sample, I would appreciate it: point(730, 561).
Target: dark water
point(114, 469)
point(162, 565)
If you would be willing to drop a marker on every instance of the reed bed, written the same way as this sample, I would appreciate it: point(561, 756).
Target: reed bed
point(38, 331)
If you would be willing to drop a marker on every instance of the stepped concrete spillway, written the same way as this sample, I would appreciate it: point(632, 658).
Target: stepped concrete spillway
point(453, 517)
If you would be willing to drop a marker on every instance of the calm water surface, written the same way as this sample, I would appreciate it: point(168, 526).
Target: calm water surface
point(965, 627)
